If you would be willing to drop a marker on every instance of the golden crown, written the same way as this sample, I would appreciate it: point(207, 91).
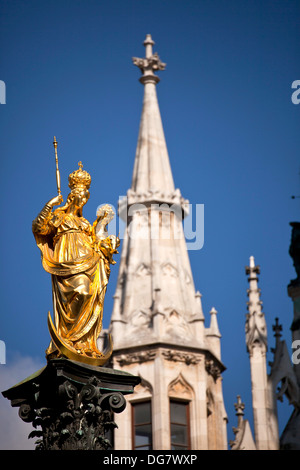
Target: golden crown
point(80, 178)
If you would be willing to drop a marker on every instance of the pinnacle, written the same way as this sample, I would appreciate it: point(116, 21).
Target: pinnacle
point(214, 328)
point(213, 311)
point(239, 406)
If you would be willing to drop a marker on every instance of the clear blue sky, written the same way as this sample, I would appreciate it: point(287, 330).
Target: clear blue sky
point(232, 133)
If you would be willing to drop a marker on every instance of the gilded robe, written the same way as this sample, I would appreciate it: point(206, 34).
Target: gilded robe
point(79, 264)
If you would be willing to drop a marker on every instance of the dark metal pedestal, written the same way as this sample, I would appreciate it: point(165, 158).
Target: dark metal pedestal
point(72, 403)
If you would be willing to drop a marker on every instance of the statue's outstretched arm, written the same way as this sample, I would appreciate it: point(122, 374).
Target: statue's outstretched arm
point(40, 223)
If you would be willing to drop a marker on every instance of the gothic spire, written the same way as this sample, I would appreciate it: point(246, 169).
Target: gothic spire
point(256, 340)
point(155, 292)
point(152, 172)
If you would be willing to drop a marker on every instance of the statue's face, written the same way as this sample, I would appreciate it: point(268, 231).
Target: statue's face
point(80, 198)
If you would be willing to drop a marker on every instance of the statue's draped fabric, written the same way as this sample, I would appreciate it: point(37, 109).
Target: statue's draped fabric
point(80, 268)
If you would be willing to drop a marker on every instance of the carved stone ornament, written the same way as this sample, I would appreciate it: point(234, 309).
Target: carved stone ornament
point(72, 404)
point(212, 368)
point(143, 389)
point(256, 331)
point(169, 270)
point(143, 270)
point(176, 356)
point(137, 357)
point(180, 388)
point(155, 198)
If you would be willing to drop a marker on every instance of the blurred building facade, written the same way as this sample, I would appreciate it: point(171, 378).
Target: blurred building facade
point(157, 323)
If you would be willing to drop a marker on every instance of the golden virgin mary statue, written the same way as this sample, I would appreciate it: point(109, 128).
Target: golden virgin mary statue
point(78, 257)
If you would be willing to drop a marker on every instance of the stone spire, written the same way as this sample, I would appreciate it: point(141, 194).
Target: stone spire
point(152, 175)
point(157, 323)
point(155, 291)
point(256, 341)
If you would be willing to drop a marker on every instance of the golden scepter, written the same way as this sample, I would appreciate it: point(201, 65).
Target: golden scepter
point(57, 170)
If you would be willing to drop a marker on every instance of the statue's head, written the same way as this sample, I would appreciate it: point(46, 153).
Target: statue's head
point(79, 183)
point(79, 179)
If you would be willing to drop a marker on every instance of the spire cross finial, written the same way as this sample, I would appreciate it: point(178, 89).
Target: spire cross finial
point(239, 407)
point(150, 63)
point(252, 269)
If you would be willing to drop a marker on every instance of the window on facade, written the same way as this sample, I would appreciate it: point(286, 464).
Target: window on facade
point(180, 432)
point(142, 426)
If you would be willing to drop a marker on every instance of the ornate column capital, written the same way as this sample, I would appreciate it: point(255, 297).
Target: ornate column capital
point(72, 403)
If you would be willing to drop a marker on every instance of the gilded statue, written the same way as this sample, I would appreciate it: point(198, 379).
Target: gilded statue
point(78, 256)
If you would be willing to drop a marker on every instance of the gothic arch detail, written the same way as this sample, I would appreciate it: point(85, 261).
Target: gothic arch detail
point(169, 270)
point(143, 390)
point(179, 388)
point(143, 270)
point(140, 318)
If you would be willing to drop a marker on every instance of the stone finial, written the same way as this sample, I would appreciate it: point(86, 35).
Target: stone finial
point(239, 408)
point(199, 312)
point(148, 43)
point(150, 63)
point(252, 270)
point(243, 436)
point(213, 335)
point(214, 328)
